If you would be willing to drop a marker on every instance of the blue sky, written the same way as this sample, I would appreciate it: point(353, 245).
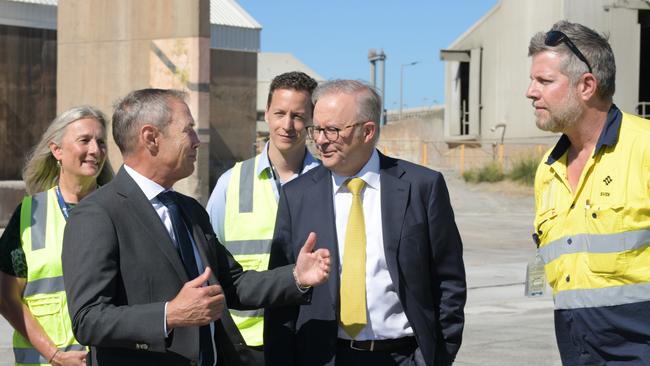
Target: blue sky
point(333, 37)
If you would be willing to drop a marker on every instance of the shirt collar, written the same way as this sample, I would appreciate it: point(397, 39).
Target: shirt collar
point(150, 188)
point(369, 173)
point(308, 162)
point(608, 136)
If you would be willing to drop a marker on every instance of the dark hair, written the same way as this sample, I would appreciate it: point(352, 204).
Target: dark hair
point(295, 80)
point(592, 45)
point(139, 107)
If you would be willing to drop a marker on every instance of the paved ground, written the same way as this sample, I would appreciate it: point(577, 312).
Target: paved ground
point(503, 328)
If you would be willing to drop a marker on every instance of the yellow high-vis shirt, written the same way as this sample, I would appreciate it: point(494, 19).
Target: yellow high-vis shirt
point(595, 241)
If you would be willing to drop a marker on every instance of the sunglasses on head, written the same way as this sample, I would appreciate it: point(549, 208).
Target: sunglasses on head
point(554, 38)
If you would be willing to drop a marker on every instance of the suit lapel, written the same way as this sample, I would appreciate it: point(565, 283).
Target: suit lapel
point(141, 210)
point(394, 199)
point(322, 197)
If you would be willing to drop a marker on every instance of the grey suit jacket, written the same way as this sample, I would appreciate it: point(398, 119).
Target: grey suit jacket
point(120, 267)
point(423, 253)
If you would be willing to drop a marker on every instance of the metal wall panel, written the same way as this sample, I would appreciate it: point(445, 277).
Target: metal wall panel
point(30, 15)
point(234, 38)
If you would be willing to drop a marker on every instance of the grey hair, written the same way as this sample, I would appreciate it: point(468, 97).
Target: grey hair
point(41, 172)
point(367, 98)
point(593, 46)
point(140, 107)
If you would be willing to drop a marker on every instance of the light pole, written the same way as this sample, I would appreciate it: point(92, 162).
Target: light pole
point(401, 85)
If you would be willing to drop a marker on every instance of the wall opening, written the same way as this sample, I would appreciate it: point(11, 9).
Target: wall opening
point(463, 79)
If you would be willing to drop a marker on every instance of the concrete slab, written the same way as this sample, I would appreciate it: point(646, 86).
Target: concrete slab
point(503, 327)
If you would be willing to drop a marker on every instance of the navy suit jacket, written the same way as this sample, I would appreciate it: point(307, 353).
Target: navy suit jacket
point(423, 252)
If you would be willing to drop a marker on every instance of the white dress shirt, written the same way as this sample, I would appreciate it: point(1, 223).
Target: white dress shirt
point(151, 190)
point(385, 314)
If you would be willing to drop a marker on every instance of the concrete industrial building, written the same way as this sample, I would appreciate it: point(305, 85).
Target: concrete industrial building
point(57, 54)
point(487, 68)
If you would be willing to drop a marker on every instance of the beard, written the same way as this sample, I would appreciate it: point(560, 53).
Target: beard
point(561, 117)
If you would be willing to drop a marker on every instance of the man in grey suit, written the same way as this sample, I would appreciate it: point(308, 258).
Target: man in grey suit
point(147, 282)
point(397, 292)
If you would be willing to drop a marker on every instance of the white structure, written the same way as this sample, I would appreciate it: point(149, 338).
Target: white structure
point(487, 69)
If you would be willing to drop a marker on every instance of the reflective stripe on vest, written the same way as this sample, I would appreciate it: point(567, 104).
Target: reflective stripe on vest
point(595, 238)
point(249, 222)
point(41, 232)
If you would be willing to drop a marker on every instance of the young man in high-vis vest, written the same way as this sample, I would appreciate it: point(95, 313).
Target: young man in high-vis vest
point(592, 196)
point(243, 205)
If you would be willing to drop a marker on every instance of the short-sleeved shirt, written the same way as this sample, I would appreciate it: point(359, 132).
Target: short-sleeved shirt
point(12, 256)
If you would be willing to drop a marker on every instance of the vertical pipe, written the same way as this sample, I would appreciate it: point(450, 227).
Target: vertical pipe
point(401, 89)
point(382, 74)
point(501, 160)
point(462, 159)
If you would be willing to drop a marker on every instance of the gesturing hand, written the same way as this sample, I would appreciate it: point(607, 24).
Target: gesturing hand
point(195, 304)
point(69, 358)
point(312, 266)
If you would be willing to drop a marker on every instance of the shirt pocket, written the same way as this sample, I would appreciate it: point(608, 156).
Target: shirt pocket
point(48, 311)
point(606, 252)
point(605, 218)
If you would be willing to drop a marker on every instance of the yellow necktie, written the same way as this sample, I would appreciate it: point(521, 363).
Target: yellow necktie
point(353, 276)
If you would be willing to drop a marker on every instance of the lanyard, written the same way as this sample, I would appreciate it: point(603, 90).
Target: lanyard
point(62, 205)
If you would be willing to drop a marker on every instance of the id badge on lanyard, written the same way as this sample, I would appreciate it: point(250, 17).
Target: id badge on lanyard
point(535, 277)
point(62, 205)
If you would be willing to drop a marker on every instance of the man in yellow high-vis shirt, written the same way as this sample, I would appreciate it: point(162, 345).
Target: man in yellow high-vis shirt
point(243, 205)
point(592, 196)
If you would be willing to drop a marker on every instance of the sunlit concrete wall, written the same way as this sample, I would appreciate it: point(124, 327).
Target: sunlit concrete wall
point(108, 48)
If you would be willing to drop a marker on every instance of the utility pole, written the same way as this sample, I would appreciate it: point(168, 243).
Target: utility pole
point(401, 85)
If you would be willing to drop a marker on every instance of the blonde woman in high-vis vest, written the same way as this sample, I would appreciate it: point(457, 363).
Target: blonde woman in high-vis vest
point(66, 165)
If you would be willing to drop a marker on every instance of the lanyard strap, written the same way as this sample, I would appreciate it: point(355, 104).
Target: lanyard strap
point(62, 205)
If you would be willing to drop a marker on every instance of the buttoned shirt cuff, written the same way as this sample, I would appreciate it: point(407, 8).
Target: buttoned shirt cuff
point(166, 332)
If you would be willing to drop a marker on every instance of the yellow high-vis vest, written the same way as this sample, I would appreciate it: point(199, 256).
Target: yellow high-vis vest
point(249, 222)
point(595, 241)
point(41, 233)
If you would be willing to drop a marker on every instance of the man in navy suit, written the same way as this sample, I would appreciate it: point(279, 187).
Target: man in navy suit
point(397, 290)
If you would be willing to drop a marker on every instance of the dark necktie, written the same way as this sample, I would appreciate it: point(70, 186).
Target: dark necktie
point(170, 200)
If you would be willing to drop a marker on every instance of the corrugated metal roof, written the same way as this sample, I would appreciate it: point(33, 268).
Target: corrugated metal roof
point(228, 12)
point(38, 2)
